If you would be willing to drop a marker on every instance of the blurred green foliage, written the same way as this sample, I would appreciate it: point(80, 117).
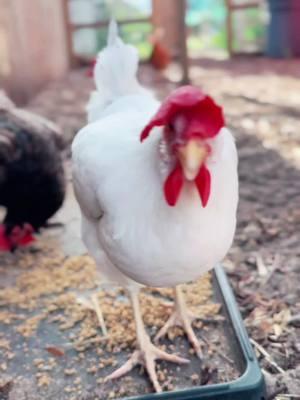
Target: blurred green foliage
point(136, 34)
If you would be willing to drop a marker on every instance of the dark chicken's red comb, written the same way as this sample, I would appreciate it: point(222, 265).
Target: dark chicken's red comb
point(208, 112)
point(24, 234)
point(4, 242)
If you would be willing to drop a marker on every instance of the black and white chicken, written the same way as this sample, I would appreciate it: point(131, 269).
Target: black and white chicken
point(32, 180)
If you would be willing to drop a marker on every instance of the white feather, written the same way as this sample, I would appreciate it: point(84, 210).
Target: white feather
point(113, 33)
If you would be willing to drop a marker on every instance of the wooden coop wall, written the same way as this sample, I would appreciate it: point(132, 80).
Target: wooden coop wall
point(36, 44)
point(33, 46)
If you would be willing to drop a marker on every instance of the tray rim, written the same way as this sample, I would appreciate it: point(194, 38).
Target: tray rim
point(251, 380)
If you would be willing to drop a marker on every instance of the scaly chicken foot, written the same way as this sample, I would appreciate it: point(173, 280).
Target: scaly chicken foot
point(92, 304)
point(147, 358)
point(184, 318)
point(147, 353)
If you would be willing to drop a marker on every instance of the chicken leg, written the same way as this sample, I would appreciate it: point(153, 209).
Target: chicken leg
point(92, 304)
point(147, 353)
point(182, 317)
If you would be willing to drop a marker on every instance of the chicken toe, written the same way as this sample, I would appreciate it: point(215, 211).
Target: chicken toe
point(184, 318)
point(147, 357)
point(147, 353)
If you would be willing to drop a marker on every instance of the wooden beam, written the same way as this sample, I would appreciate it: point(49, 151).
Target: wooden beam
point(104, 24)
point(69, 36)
point(229, 26)
point(231, 8)
point(252, 4)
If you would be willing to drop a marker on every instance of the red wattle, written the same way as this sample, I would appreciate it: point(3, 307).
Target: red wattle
point(175, 181)
point(173, 186)
point(203, 184)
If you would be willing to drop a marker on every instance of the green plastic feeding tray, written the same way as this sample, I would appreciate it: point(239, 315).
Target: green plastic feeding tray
point(250, 385)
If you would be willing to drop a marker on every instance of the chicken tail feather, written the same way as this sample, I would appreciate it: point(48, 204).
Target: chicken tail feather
point(113, 33)
point(114, 73)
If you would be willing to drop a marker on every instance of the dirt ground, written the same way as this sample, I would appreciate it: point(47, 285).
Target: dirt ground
point(261, 99)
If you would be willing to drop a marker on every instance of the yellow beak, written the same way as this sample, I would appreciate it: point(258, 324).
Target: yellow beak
point(191, 157)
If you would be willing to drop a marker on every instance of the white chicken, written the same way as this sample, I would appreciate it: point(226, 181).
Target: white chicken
point(159, 209)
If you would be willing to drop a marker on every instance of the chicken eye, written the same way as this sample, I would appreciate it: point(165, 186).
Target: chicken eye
point(171, 126)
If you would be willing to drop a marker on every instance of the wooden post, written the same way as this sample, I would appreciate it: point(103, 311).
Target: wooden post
point(69, 34)
point(231, 8)
point(183, 52)
point(229, 24)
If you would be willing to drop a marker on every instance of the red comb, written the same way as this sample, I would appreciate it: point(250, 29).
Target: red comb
point(25, 238)
point(188, 97)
